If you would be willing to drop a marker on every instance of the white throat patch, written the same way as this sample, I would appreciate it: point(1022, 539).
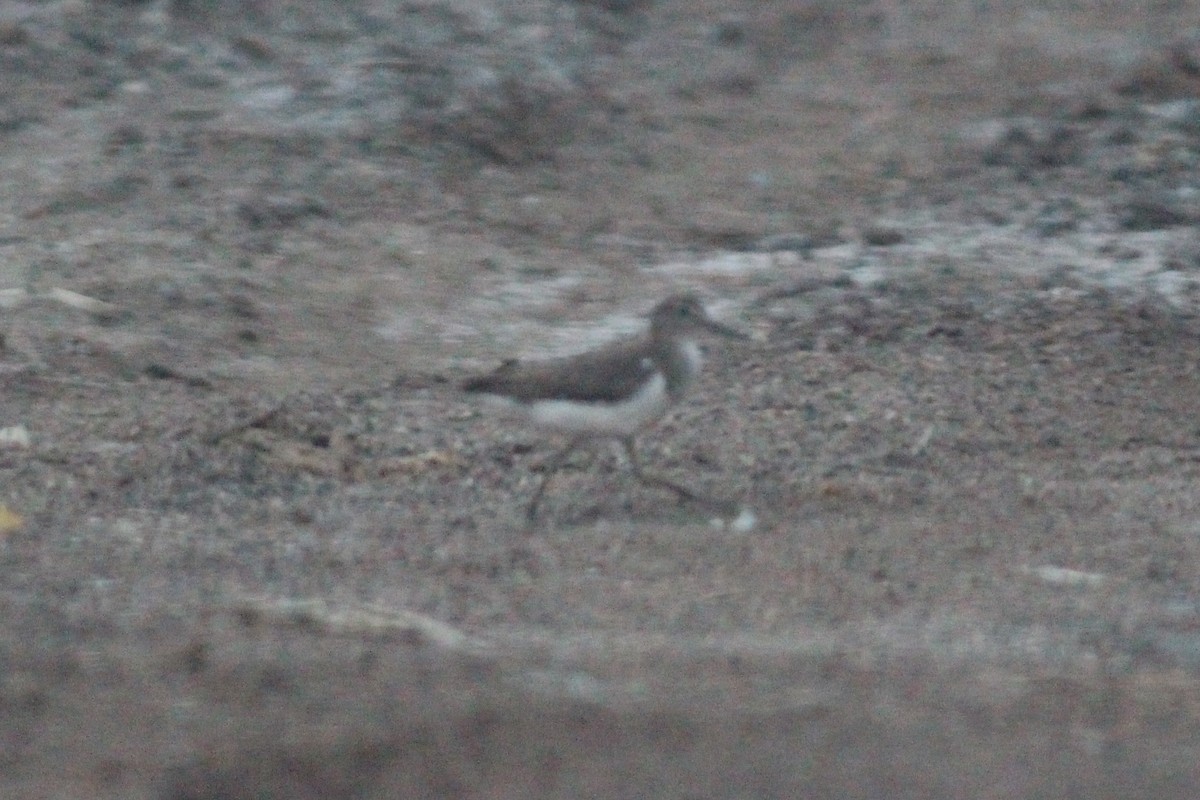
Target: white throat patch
point(691, 351)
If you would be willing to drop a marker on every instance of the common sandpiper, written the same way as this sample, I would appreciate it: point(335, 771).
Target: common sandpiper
point(611, 393)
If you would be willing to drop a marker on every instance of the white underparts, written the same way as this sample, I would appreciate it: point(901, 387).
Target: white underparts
point(623, 418)
point(607, 419)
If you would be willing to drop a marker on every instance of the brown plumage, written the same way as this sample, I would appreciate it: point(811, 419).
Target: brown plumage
point(616, 372)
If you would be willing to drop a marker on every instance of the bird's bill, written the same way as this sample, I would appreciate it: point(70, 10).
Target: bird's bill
point(724, 330)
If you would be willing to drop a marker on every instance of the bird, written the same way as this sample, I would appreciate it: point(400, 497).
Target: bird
point(614, 392)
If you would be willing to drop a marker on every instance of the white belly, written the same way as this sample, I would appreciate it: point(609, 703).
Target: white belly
point(602, 419)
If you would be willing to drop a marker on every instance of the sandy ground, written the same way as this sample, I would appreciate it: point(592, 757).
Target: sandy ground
point(255, 543)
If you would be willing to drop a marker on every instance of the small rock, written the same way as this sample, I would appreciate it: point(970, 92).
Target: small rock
point(730, 31)
point(726, 227)
point(1024, 143)
point(254, 48)
point(16, 437)
point(1149, 214)
point(880, 235)
point(1057, 217)
point(1064, 576)
point(13, 34)
point(279, 212)
point(785, 242)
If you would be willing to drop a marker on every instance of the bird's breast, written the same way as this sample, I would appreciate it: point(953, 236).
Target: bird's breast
point(685, 361)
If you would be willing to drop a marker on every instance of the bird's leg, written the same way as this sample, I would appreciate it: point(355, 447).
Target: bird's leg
point(554, 466)
point(684, 493)
point(655, 480)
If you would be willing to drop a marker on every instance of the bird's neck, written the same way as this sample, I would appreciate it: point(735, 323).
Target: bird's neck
point(680, 361)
